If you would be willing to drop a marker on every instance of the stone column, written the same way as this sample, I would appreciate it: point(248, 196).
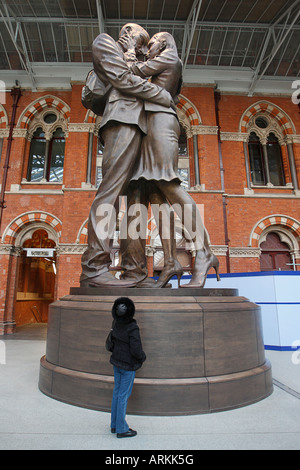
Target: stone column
point(150, 260)
point(196, 160)
point(90, 157)
point(292, 164)
point(48, 138)
point(266, 162)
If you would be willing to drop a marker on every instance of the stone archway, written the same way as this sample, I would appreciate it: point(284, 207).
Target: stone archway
point(35, 288)
point(14, 237)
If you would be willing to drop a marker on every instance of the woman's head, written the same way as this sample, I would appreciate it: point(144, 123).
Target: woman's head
point(123, 309)
point(159, 42)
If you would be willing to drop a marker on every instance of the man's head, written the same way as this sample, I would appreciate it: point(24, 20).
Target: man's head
point(140, 36)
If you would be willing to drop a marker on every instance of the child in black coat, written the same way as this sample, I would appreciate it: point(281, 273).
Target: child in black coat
point(127, 357)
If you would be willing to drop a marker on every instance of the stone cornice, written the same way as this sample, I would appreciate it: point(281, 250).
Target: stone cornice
point(244, 252)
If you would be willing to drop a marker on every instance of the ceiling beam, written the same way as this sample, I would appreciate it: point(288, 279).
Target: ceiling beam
point(189, 31)
point(277, 43)
point(15, 34)
point(116, 22)
point(100, 17)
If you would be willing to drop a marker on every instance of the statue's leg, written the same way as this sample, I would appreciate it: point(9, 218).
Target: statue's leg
point(187, 210)
point(122, 145)
point(133, 232)
point(165, 221)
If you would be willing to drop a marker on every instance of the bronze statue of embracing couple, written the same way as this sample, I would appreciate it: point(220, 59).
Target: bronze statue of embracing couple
point(139, 80)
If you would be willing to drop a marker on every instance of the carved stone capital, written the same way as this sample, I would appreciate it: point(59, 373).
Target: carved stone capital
point(234, 136)
point(4, 133)
point(70, 249)
point(150, 250)
point(81, 127)
point(20, 133)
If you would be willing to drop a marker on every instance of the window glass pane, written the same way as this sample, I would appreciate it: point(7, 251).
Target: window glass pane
point(184, 175)
point(100, 150)
point(57, 156)
point(256, 160)
point(182, 143)
point(37, 156)
point(275, 161)
point(98, 176)
point(183, 169)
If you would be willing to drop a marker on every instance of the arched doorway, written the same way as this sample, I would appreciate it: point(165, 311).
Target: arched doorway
point(36, 279)
point(275, 254)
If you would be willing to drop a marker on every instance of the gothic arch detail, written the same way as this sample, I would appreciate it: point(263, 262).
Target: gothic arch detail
point(3, 118)
point(276, 220)
point(82, 234)
point(12, 231)
point(187, 112)
point(47, 102)
point(274, 112)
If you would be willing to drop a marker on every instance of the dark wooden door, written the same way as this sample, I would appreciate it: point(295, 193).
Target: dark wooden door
point(275, 254)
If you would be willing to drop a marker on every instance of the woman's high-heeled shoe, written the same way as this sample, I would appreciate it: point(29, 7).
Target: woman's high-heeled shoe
point(201, 268)
point(172, 268)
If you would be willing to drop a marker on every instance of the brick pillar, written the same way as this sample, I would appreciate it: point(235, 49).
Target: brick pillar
point(68, 268)
point(8, 288)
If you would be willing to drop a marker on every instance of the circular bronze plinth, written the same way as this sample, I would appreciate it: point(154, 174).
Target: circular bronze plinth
point(204, 349)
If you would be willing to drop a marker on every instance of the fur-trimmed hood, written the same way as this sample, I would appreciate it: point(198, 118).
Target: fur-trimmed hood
point(129, 313)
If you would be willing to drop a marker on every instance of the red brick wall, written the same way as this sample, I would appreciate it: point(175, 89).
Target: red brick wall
point(71, 202)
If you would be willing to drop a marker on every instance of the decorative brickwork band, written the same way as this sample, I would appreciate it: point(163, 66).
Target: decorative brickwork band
point(12, 230)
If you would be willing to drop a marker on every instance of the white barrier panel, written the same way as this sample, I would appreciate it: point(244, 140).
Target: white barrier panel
point(278, 295)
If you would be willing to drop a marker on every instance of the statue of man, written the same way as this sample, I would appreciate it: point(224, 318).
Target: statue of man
point(123, 125)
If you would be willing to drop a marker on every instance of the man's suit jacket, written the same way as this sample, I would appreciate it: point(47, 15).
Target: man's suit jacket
point(125, 100)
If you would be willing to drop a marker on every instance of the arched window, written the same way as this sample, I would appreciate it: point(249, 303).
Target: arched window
point(275, 161)
point(37, 156)
point(55, 167)
point(47, 132)
point(265, 156)
point(256, 160)
point(46, 158)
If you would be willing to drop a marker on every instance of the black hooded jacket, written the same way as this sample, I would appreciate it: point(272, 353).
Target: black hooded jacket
point(128, 353)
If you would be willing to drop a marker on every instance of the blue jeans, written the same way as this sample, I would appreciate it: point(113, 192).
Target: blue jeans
point(122, 390)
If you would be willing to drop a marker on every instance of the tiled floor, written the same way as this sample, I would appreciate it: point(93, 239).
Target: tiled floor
point(31, 420)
